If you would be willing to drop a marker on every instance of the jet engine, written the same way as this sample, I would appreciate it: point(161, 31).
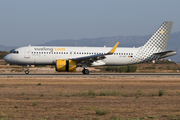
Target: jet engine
point(65, 65)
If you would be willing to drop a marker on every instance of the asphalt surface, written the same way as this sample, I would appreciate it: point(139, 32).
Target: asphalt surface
point(89, 75)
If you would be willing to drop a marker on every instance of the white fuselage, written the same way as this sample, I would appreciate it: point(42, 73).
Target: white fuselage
point(47, 55)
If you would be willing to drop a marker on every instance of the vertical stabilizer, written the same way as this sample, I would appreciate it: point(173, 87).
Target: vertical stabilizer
point(157, 43)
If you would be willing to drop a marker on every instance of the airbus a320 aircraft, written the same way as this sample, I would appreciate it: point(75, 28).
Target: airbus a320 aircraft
point(68, 58)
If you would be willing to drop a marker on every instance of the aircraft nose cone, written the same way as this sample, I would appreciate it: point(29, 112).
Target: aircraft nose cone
point(7, 58)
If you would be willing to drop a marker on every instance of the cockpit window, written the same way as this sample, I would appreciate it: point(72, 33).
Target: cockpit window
point(15, 52)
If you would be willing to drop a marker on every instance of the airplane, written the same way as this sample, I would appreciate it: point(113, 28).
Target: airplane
point(67, 59)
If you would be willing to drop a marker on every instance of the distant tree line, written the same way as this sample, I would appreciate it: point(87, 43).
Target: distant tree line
point(4, 53)
point(165, 62)
point(121, 69)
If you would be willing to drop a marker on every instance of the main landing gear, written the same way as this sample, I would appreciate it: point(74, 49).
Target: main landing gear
point(27, 71)
point(85, 71)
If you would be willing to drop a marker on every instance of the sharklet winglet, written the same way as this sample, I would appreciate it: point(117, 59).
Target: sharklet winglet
point(113, 49)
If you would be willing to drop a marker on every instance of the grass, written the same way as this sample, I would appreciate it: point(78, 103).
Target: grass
point(82, 93)
point(39, 84)
point(104, 93)
point(107, 91)
point(151, 117)
point(3, 118)
point(23, 93)
point(171, 116)
point(15, 106)
point(27, 98)
point(42, 95)
point(91, 93)
point(9, 113)
point(35, 103)
point(41, 119)
point(139, 92)
point(142, 118)
point(67, 96)
point(60, 93)
point(101, 111)
point(160, 92)
point(2, 85)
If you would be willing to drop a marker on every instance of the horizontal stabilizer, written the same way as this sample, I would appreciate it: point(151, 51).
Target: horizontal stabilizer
point(165, 53)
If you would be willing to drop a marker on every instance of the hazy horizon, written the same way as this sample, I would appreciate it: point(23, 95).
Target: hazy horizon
point(35, 22)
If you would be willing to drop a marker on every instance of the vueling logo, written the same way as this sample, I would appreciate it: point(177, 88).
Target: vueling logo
point(49, 49)
point(59, 49)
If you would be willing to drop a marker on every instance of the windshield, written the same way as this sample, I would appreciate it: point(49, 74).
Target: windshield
point(15, 52)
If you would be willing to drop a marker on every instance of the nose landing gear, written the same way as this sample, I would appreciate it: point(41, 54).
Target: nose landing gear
point(27, 71)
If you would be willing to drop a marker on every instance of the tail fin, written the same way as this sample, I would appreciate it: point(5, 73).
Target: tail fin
point(158, 42)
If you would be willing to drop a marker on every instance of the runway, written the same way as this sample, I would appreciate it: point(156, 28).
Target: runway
point(45, 75)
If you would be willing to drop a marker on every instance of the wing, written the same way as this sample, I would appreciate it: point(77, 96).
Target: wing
point(90, 59)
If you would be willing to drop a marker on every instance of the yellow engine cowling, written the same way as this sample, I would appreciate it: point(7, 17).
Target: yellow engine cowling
point(65, 65)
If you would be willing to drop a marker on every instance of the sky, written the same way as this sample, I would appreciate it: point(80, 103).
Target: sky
point(24, 22)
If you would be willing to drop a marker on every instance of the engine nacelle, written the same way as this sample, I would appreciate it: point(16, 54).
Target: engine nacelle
point(65, 65)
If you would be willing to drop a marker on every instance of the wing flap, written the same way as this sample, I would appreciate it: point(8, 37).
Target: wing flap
point(91, 57)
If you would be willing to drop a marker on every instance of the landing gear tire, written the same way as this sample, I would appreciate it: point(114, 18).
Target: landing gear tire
point(27, 72)
point(85, 71)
